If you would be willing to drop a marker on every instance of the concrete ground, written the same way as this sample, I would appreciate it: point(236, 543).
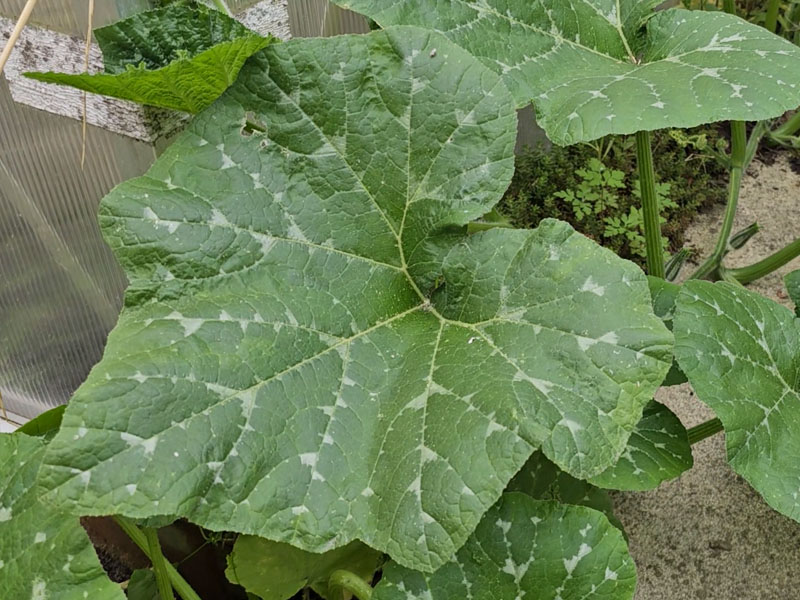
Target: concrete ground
point(708, 535)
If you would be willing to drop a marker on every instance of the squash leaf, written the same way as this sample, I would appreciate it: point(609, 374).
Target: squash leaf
point(44, 425)
point(792, 281)
point(526, 548)
point(314, 351)
point(740, 352)
point(658, 450)
point(542, 480)
point(276, 571)
point(589, 70)
point(664, 295)
point(181, 57)
point(44, 553)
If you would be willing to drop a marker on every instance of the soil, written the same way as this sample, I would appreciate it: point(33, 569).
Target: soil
point(708, 535)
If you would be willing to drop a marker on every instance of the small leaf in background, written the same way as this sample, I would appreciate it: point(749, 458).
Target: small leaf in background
point(142, 585)
point(591, 71)
point(740, 352)
point(276, 571)
point(539, 478)
point(526, 548)
point(792, 281)
point(314, 350)
point(44, 553)
point(45, 425)
point(181, 57)
point(658, 450)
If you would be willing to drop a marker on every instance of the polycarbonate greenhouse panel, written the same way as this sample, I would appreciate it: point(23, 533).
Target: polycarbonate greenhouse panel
point(60, 287)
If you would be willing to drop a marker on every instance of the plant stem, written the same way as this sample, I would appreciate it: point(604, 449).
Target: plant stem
point(138, 537)
point(159, 564)
point(345, 581)
point(651, 214)
point(768, 265)
point(222, 7)
point(729, 6)
point(705, 430)
point(21, 22)
point(738, 153)
point(771, 20)
point(756, 135)
point(789, 128)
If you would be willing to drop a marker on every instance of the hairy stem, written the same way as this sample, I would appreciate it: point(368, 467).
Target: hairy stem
point(768, 265)
point(738, 153)
point(159, 564)
point(138, 537)
point(705, 430)
point(650, 210)
point(771, 21)
point(342, 581)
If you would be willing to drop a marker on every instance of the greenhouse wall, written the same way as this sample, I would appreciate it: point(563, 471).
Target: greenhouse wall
point(60, 287)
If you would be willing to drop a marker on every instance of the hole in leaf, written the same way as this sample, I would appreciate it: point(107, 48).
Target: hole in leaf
point(253, 125)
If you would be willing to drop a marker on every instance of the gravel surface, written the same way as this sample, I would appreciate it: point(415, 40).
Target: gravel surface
point(708, 535)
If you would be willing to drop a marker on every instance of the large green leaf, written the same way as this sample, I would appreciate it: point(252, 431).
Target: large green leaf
point(314, 351)
point(181, 57)
point(276, 571)
point(526, 548)
point(44, 553)
point(589, 74)
point(658, 450)
point(740, 352)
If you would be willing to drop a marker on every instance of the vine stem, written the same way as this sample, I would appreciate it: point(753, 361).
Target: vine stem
point(159, 564)
point(222, 7)
point(738, 157)
point(139, 538)
point(651, 214)
point(342, 581)
point(705, 430)
point(771, 20)
point(789, 128)
point(768, 265)
point(21, 22)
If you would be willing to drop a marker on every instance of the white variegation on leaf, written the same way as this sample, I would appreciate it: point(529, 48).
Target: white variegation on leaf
point(44, 553)
point(740, 352)
point(590, 70)
point(314, 351)
point(526, 548)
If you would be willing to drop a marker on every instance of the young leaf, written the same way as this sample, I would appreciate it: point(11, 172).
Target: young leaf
point(740, 353)
point(526, 548)
point(44, 553)
point(181, 57)
point(142, 585)
point(314, 351)
point(46, 424)
point(792, 281)
point(589, 74)
point(543, 480)
point(276, 571)
point(658, 450)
